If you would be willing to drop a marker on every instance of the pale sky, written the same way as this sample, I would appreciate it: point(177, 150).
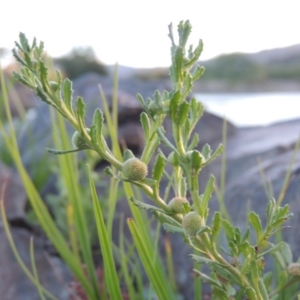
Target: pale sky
point(134, 33)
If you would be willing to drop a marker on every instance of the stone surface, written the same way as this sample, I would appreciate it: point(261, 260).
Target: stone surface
point(14, 195)
point(14, 284)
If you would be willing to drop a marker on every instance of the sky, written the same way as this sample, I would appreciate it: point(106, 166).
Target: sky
point(135, 33)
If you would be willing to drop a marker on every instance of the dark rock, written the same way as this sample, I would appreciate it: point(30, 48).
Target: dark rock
point(14, 284)
point(14, 195)
point(268, 149)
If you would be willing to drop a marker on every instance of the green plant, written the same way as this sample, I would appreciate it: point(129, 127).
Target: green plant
point(238, 270)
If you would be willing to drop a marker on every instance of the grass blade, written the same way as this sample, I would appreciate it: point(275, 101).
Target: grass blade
point(111, 276)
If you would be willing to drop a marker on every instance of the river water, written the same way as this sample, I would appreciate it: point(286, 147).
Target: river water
point(253, 109)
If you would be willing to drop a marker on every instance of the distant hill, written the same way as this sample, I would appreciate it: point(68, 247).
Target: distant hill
point(277, 54)
point(279, 63)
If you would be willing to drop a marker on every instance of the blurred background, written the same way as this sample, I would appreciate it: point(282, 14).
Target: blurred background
point(251, 48)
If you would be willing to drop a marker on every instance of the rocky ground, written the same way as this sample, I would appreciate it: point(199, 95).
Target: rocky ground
point(271, 145)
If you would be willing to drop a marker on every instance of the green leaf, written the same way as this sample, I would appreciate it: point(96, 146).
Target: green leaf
point(246, 264)
point(282, 211)
point(163, 218)
point(230, 291)
point(244, 247)
point(98, 121)
point(157, 98)
point(172, 228)
point(262, 289)
point(206, 151)
point(206, 278)
point(174, 105)
point(254, 271)
point(183, 111)
point(251, 294)
point(177, 60)
point(184, 31)
point(209, 189)
point(109, 172)
point(144, 205)
point(24, 42)
point(218, 152)
point(165, 96)
point(281, 221)
point(145, 121)
point(183, 187)
point(272, 249)
point(198, 72)
point(68, 94)
point(271, 209)
point(188, 84)
point(237, 235)
point(245, 235)
point(160, 132)
point(80, 112)
point(149, 181)
point(280, 260)
point(229, 229)
point(221, 271)
point(216, 226)
point(286, 253)
point(200, 259)
point(127, 155)
point(203, 229)
point(196, 55)
point(254, 220)
point(43, 75)
point(173, 159)
point(196, 161)
point(268, 279)
point(158, 168)
point(219, 293)
point(142, 101)
point(194, 143)
point(197, 110)
point(234, 249)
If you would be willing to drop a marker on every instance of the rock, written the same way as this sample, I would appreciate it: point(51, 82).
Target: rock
point(269, 148)
point(52, 272)
point(14, 195)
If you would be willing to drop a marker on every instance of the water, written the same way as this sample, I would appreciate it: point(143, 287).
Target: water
point(253, 109)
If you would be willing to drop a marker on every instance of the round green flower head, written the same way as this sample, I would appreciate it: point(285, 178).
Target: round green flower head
point(294, 269)
point(191, 223)
point(134, 169)
point(78, 141)
point(176, 205)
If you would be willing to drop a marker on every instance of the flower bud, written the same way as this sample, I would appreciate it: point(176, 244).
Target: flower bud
point(192, 223)
point(53, 85)
point(78, 141)
point(294, 269)
point(176, 205)
point(188, 156)
point(134, 169)
point(154, 107)
point(173, 159)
